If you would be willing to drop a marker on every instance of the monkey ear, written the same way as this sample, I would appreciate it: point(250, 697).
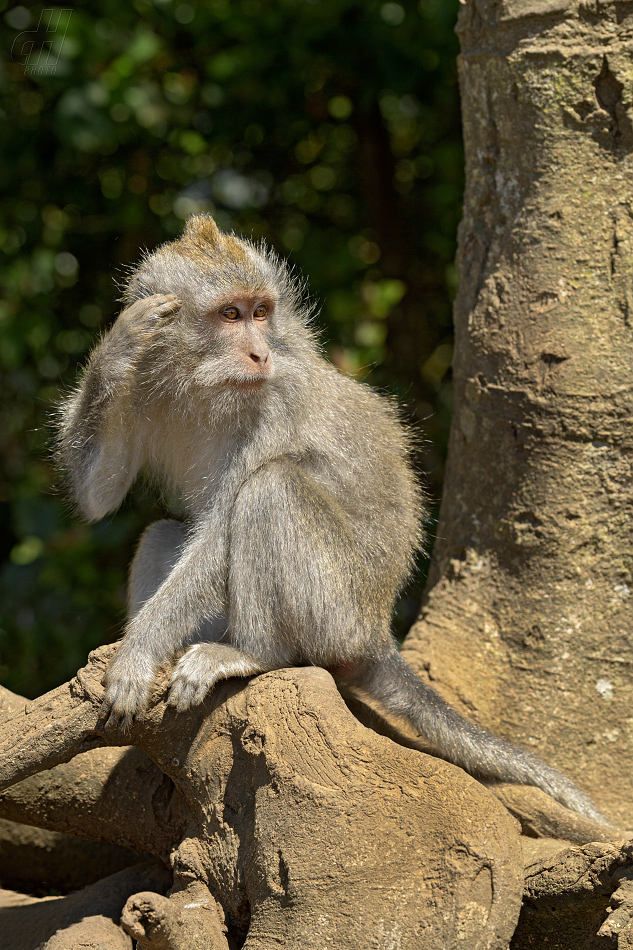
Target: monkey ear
point(202, 227)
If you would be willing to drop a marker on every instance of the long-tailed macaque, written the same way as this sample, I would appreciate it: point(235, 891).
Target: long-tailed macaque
point(303, 512)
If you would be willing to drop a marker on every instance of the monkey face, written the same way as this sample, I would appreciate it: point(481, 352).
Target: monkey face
point(240, 326)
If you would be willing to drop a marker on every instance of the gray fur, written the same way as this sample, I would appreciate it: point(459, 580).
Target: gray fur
point(303, 509)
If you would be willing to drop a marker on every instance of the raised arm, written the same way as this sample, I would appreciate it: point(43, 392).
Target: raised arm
point(101, 444)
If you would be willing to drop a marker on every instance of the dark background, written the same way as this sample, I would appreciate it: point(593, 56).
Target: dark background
point(330, 128)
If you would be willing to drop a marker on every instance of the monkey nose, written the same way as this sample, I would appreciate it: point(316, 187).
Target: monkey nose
point(260, 361)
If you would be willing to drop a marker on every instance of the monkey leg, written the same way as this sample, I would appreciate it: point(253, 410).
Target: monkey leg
point(202, 666)
point(391, 681)
point(299, 589)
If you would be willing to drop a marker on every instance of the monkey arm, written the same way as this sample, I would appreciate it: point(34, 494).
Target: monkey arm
point(100, 453)
point(101, 444)
point(191, 593)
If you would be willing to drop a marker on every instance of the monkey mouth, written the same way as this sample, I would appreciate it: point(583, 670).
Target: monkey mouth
point(250, 382)
point(251, 379)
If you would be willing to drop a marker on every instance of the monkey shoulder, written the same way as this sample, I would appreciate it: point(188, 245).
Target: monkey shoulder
point(358, 449)
point(368, 422)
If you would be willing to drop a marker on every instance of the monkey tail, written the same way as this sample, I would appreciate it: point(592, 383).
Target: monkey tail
point(392, 682)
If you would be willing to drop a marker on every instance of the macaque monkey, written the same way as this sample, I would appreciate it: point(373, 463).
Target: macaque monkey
point(303, 512)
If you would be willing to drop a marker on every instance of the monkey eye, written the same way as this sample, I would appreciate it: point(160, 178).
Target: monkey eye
point(231, 313)
point(261, 312)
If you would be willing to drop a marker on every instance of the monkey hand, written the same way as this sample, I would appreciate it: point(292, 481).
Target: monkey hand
point(139, 323)
point(128, 682)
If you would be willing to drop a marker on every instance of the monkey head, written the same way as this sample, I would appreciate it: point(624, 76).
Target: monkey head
point(242, 320)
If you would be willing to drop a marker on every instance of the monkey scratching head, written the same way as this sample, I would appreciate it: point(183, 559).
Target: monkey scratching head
point(242, 320)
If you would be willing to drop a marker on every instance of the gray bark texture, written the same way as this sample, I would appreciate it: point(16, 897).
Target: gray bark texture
point(528, 624)
point(272, 815)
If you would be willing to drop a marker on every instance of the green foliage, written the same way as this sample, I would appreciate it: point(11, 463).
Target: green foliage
point(329, 127)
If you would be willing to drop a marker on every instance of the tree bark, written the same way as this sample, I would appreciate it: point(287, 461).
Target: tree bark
point(528, 622)
point(300, 825)
point(578, 899)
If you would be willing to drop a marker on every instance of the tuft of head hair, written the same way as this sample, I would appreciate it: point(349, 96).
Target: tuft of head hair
point(205, 256)
point(204, 243)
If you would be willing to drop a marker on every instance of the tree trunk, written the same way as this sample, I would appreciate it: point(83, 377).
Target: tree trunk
point(528, 622)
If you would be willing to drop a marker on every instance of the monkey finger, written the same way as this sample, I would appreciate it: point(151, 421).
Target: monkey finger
point(174, 690)
point(184, 703)
point(147, 315)
point(201, 693)
point(158, 311)
point(114, 709)
point(166, 304)
point(124, 699)
point(114, 718)
point(173, 698)
point(194, 695)
point(179, 695)
point(184, 693)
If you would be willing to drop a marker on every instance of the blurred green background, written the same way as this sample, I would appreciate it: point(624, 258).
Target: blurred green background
point(328, 127)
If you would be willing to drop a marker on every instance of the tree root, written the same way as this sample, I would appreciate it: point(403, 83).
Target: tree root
point(52, 860)
point(88, 918)
point(307, 828)
point(187, 920)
